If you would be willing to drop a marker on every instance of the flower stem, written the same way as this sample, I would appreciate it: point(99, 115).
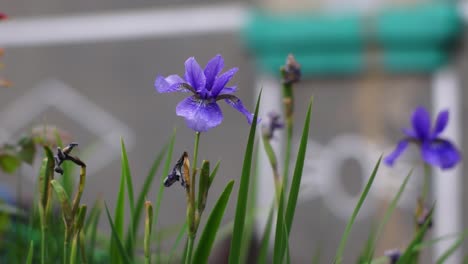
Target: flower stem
point(287, 158)
point(192, 231)
point(65, 245)
point(191, 202)
point(43, 236)
point(195, 152)
point(188, 258)
point(427, 178)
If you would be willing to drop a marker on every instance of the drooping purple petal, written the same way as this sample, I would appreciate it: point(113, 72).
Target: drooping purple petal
point(194, 74)
point(221, 81)
point(421, 123)
point(401, 147)
point(172, 83)
point(441, 153)
point(212, 69)
point(239, 106)
point(200, 115)
point(441, 123)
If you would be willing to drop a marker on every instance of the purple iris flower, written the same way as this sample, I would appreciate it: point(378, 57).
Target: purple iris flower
point(201, 110)
point(435, 150)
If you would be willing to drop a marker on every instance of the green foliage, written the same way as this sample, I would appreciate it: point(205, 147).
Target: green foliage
point(208, 236)
point(12, 155)
point(76, 238)
point(362, 198)
point(241, 206)
point(119, 251)
point(265, 242)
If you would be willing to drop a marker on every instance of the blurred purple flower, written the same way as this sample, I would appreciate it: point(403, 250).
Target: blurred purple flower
point(274, 123)
point(201, 111)
point(393, 255)
point(435, 150)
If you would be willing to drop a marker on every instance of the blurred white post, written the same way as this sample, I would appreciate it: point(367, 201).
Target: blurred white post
point(446, 94)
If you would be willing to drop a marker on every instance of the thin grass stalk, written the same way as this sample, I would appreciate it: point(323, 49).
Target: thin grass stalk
point(81, 185)
point(47, 174)
point(84, 258)
point(29, 259)
point(191, 201)
point(287, 157)
point(426, 182)
point(242, 197)
point(148, 227)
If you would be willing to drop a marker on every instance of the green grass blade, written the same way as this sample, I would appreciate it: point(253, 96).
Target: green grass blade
point(176, 244)
point(29, 259)
point(265, 243)
point(165, 172)
point(119, 222)
point(128, 176)
point(411, 253)
point(241, 207)
point(366, 251)
point(280, 235)
point(297, 176)
point(450, 250)
point(387, 215)
point(90, 230)
point(63, 199)
point(121, 254)
point(249, 226)
point(349, 225)
point(214, 172)
point(436, 240)
point(205, 244)
point(136, 217)
point(126, 173)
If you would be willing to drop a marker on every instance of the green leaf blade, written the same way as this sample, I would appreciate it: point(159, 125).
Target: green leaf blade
point(120, 253)
point(349, 225)
point(297, 176)
point(241, 207)
point(208, 236)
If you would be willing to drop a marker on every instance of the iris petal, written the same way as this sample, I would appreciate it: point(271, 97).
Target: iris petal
point(194, 74)
point(441, 123)
point(441, 153)
point(172, 83)
point(228, 90)
point(409, 133)
point(221, 81)
point(401, 147)
point(239, 106)
point(212, 69)
point(421, 123)
point(200, 115)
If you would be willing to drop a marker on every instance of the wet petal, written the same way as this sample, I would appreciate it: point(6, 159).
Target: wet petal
point(212, 69)
point(421, 123)
point(200, 115)
point(194, 74)
point(441, 123)
point(441, 153)
point(172, 83)
point(221, 81)
point(400, 148)
point(239, 106)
